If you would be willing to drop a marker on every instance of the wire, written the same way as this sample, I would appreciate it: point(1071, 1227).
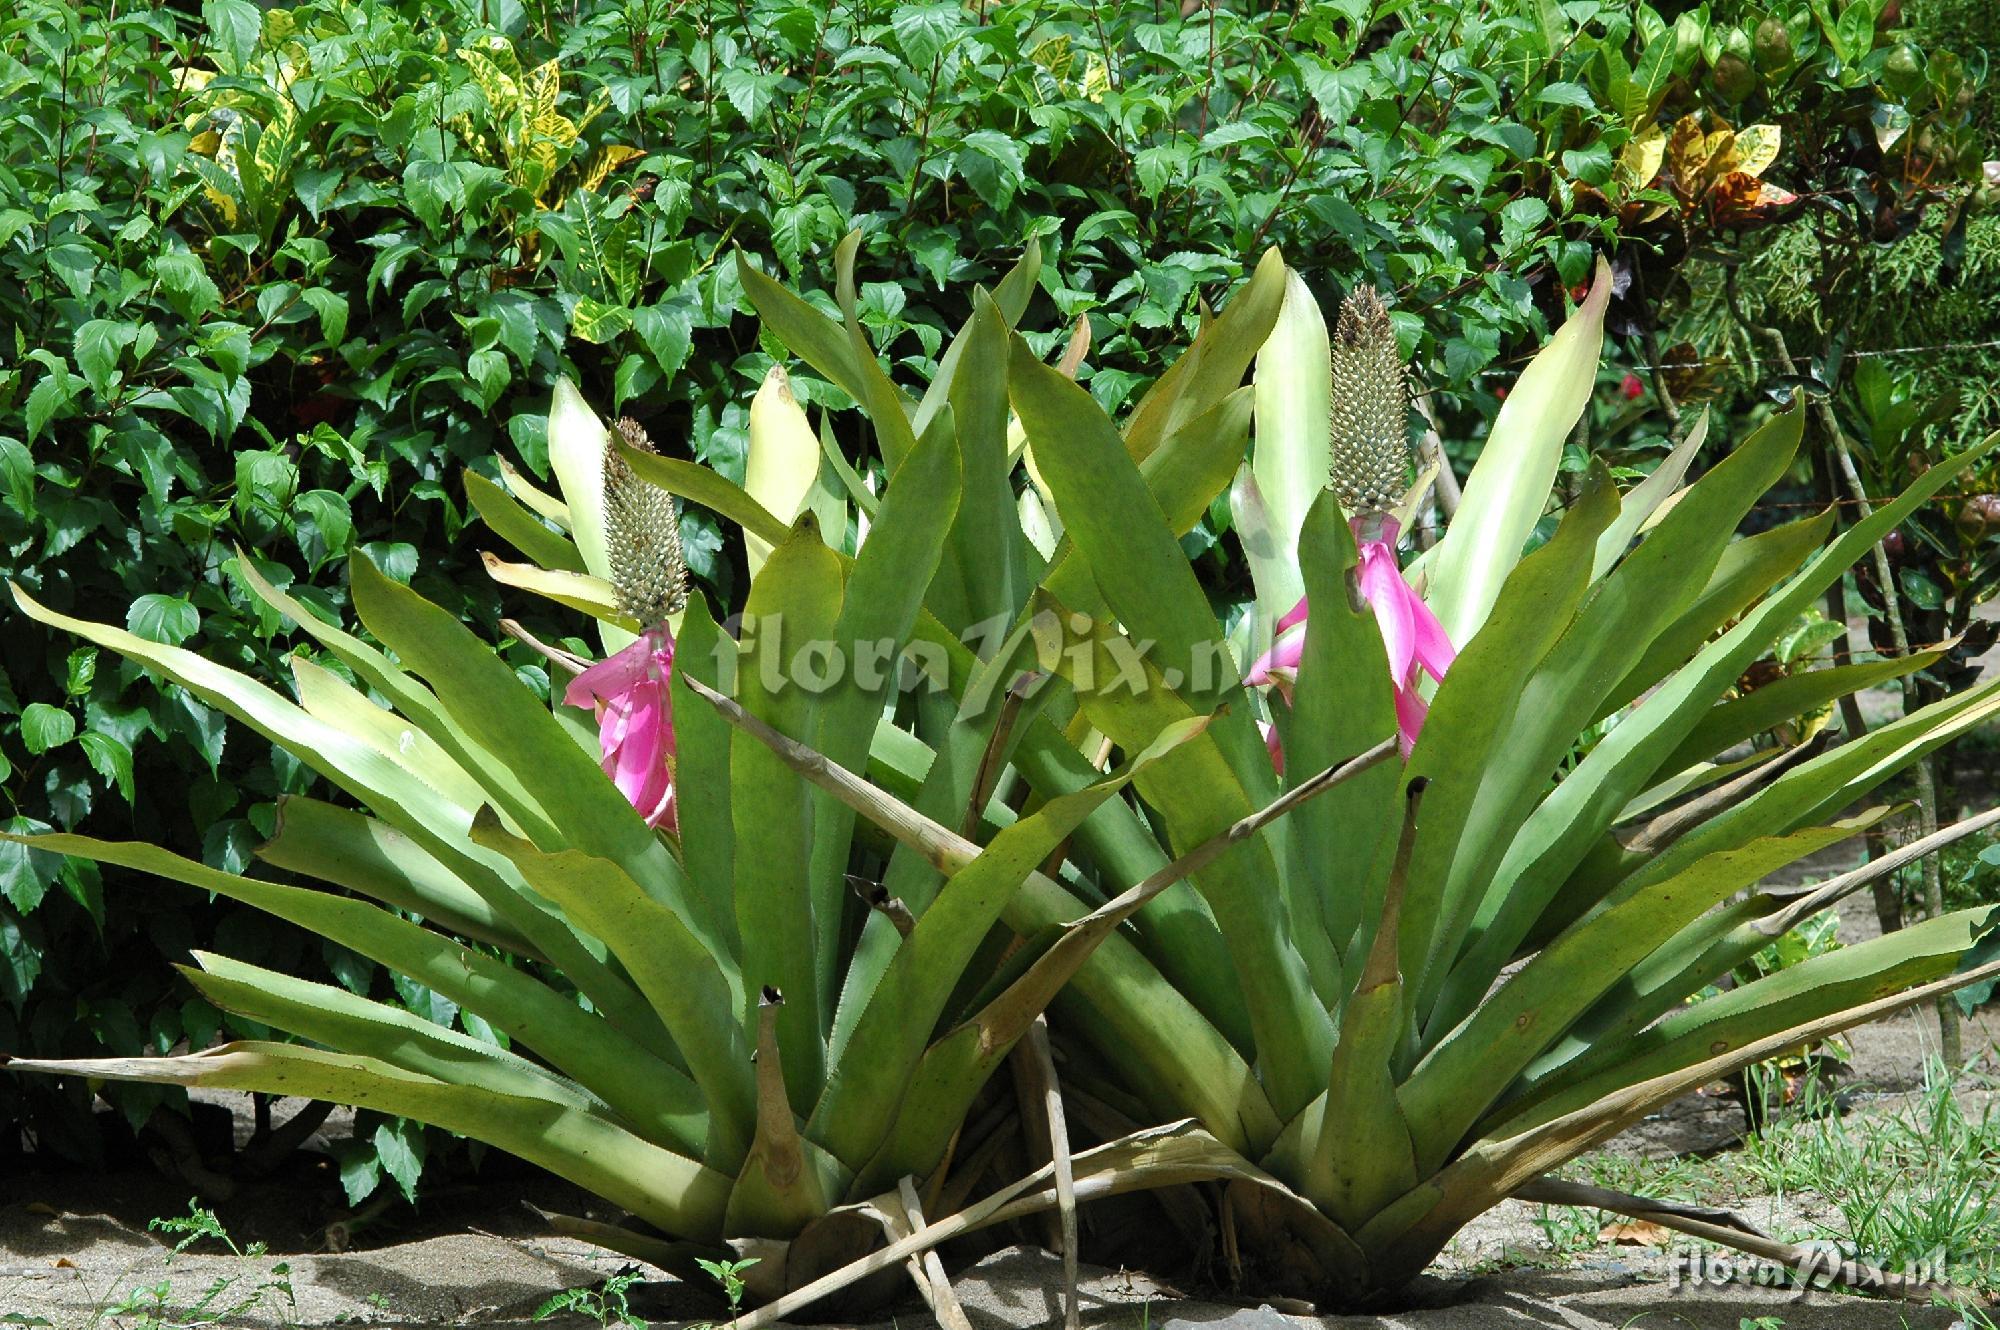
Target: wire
point(1754, 362)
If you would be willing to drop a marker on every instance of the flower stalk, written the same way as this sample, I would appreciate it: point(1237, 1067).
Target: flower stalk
point(1369, 472)
point(630, 690)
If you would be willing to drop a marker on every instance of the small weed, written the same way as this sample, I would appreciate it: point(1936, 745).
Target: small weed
point(157, 1307)
point(1569, 1231)
point(197, 1224)
point(1760, 1323)
point(604, 1304)
point(1970, 1314)
point(378, 1306)
point(1675, 1178)
point(729, 1274)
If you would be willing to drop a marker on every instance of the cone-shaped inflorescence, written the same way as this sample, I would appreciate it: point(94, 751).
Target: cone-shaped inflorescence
point(643, 536)
point(1371, 452)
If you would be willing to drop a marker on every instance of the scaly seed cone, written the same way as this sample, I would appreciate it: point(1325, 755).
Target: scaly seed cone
point(1371, 451)
point(642, 536)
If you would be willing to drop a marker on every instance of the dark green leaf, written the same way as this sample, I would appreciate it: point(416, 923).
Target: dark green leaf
point(163, 618)
point(44, 727)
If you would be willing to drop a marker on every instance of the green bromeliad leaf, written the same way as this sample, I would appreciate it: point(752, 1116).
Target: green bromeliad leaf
point(656, 1184)
point(648, 1092)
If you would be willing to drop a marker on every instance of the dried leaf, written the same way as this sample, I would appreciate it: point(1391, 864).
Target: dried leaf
point(1636, 1233)
point(1689, 378)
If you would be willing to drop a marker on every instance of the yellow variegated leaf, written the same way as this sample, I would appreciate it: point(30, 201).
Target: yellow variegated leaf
point(596, 322)
point(596, 106)
point(1053, 54)
point(502, 94)
point(294, 63)
point(1096, 78)
point(277, 145)
point(230, 149)
point(536, 164)
point(539, 90)
point(604, 161)
point(1756, 148)
point(220, 187)
point(1639, 161)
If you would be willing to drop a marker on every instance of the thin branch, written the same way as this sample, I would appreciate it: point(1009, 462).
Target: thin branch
point(1888, 901)
point(1144, 1161)
point(1514, 1150)
point(1730, 1230)
point(262, 1154)
point(1838, 888)
point(565, 660)
point(943, 848)
point(1034, 1049)
point(1384, 955)
point(926, 1269)
point(1558, 1191)
point(1670, 825)
point(948, 851)
point(1949, 1039)
point(879, 900)
point(994, 758)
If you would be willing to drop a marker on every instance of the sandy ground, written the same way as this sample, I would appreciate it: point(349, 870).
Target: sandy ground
point(71, 1248)
point(479, 1279)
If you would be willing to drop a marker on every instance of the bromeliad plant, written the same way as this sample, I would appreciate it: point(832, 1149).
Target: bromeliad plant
point(1374, 994)
point(648, 908)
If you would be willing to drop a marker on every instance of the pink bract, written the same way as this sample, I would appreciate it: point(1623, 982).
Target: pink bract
point(1411, 636)
point(635, 722)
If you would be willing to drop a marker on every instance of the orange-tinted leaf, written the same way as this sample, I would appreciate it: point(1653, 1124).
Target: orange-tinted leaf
point(1695, 160)
point(1687, 152)
point(1743, 200)
point(1636, 1233)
